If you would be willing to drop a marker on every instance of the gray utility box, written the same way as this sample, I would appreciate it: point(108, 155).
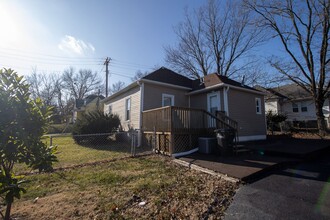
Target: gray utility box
point(207, 145)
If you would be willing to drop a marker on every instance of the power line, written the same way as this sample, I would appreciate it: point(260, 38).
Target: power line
point(42, 59)
point(15, 53)
point(121, 74)
point(48, 61)
point(28, 54)
point(130, 64)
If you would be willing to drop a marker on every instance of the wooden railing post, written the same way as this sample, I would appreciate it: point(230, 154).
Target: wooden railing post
point(171, 131)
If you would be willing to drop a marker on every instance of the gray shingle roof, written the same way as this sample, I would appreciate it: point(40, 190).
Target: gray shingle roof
point(168, 76)
point(290, 91)
point(165, 75)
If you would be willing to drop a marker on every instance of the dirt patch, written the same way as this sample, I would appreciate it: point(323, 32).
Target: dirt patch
point(151, 187)
point(306, 135)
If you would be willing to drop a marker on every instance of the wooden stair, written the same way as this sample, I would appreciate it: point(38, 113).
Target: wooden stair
point(241, 149)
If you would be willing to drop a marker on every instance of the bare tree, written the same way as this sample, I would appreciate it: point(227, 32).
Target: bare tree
point(44, 86)
point(139, 75)
point(116, 87)
point(303, 29)
point(80, 83)
point(213, 39)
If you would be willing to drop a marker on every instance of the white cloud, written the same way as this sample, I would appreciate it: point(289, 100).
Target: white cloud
point(72, 45)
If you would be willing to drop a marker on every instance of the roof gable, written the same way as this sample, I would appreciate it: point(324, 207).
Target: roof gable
point(168, 76)
point(216, 79)
point(83, 102)
point(290, 91)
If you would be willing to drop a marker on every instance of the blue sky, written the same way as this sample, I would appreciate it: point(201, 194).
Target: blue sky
point(53, 35)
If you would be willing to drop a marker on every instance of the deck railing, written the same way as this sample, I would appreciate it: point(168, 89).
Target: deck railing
point(222, 117)
point(183, 120)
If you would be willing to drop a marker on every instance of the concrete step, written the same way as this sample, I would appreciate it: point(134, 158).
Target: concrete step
point(241, 149)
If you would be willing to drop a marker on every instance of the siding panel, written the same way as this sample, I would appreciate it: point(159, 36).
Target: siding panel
point(242, 108)
point(118, 107)
point(153, 96)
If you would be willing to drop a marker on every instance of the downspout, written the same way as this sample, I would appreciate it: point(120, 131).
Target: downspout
point(189, 101)
point(141, 110)
point(225, 99)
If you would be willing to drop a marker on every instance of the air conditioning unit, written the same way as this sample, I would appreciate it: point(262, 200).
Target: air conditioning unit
point(207, 145)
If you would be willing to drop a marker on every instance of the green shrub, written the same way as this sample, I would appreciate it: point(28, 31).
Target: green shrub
point(274, 120)
point(95, 123)
point(59, 128)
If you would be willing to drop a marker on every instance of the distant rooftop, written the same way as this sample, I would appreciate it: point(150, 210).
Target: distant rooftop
point(290, 91)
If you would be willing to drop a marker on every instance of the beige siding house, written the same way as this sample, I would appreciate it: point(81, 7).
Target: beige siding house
point(213, 93)
point(89, 104)
point(126, 104)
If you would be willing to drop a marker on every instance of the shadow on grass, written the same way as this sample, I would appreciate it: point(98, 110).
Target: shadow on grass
point(118, 143)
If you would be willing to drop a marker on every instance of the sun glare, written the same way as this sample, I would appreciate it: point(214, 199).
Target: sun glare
point(10, 26)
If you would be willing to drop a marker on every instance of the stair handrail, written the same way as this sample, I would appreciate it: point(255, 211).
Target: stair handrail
point(222, 116)
point(219, 120)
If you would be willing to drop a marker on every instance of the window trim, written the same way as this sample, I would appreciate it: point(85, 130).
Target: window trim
point(110, 109)
point(164, 95)
point(258, 106)
point(128, 111)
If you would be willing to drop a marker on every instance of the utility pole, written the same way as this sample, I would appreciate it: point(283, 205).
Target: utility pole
point(106, 63)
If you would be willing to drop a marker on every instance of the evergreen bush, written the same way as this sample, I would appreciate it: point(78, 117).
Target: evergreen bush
point(86, 128)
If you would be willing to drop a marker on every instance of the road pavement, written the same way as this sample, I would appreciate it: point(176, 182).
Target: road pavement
point(299, 192)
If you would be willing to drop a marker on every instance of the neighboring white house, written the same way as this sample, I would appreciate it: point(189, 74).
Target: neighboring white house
point(294, 102)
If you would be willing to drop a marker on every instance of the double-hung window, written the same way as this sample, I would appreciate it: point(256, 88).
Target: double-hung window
point(295, 107)
point(167, 100)
point(128, 109)
point(110, 109)
point(304, 107)
point(258, 106)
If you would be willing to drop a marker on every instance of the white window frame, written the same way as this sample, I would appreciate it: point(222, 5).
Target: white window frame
point(258, 106)
point(128, 111)
point(164, 95)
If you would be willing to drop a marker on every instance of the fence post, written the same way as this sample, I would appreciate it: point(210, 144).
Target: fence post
point(51, 140)
point(133, 143)
point(154, 139)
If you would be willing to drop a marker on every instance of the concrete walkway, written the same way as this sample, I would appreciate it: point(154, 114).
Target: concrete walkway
point(243, 167)
point(263, 158)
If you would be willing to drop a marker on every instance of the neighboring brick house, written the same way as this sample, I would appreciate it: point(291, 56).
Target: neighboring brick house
point(212, 93)
point(88, 104)
point(294, 102)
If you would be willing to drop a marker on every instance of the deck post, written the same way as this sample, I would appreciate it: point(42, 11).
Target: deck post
point(171, 150)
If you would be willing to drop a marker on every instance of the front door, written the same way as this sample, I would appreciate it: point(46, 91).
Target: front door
point(213, 105)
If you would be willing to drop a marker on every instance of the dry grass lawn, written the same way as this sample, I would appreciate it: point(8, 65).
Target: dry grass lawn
point(116, 189)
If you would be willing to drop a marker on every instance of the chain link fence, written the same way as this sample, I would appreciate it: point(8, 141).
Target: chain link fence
point(76, 150)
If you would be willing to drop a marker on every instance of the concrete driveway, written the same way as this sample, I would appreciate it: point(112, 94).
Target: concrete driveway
point(299, 192)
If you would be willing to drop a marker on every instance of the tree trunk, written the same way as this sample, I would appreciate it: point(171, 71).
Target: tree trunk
point(8, 208)
point(321, 125)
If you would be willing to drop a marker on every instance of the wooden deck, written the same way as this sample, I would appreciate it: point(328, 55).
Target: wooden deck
point(173, 129)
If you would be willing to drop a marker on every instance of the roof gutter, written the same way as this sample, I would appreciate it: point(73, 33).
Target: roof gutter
point(131, 86)
point(164, 84)
point(224, 85)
